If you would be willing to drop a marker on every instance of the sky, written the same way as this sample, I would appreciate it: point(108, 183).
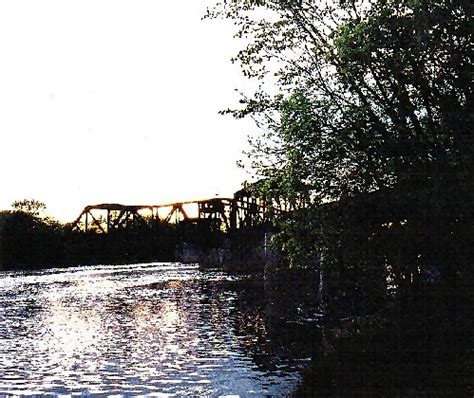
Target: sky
point(117, 101)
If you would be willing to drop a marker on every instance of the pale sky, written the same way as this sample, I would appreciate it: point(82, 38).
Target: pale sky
point(116, 101)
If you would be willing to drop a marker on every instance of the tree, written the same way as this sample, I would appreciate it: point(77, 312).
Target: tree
point(357, 99)
point(371, 94)
point(366, 112)
point(30, 206)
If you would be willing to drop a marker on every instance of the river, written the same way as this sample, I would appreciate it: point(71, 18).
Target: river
point(159, 329)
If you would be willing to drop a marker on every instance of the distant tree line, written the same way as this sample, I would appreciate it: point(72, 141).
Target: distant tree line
point(29, 239)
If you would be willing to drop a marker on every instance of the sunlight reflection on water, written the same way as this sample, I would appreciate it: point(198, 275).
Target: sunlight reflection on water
point(144, 329)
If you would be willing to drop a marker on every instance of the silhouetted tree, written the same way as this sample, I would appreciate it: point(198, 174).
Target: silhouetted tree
point(366, 114)
point(29, 206)
point(369, 94)
point(359, 97)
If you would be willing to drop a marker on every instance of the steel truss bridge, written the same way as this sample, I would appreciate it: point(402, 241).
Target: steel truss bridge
point(227, 214)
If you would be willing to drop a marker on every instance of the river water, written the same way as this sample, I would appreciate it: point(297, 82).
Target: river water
point(161, 329)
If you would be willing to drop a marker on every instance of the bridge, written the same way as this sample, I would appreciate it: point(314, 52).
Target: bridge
point(227, 214)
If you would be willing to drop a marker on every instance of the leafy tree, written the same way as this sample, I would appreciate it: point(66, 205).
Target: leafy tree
point(370, 93)
point(363, 99)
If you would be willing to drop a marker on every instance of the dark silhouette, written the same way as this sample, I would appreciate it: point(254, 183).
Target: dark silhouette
point(115, 233)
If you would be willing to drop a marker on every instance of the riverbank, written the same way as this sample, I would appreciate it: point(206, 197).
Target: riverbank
point(417, 345)
point(420, 348)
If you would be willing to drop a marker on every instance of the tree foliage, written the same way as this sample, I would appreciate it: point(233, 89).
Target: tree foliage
point(370, 94)
point(365, 109)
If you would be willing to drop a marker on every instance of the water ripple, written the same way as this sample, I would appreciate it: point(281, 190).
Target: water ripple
point(144, 329)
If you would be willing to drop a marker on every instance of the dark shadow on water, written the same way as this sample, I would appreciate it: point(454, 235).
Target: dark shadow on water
point(421, 348)
point(268, 342)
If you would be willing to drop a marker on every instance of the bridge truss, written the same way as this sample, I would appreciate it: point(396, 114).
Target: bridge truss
point(226, 214)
